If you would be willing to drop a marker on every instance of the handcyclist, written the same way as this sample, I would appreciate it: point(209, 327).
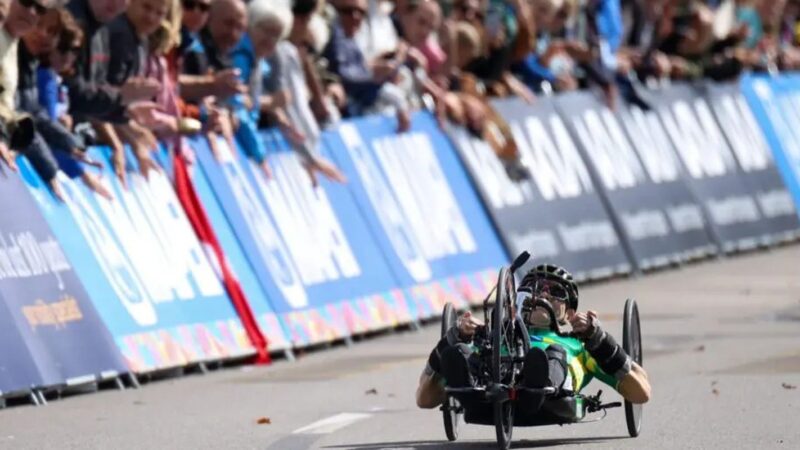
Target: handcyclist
point(565, 363)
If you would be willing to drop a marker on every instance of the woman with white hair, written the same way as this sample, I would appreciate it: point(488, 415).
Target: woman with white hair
point(270, 22)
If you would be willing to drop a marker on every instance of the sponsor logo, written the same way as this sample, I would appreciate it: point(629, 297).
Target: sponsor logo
point(652, 144)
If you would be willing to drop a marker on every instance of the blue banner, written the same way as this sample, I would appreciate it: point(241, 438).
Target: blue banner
point(426, 217)
point(268, 320)
point(44, 299)
point(775, 102)
point(309, 247)
point(144, 269)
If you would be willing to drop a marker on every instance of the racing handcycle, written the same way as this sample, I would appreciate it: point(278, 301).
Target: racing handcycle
point(498, 397)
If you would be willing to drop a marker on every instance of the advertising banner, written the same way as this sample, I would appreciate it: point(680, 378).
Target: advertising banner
point(311, 251)
point(557, 214)
point(43, 298)
point(754, 158)
point(419, 204)
point(235, 259)
point(712, 171)
point(146, 273)
point(641, 182)
point(775, 103)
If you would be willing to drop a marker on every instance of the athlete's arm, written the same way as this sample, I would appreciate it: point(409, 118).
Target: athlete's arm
point(632, 381)
point(430, 392)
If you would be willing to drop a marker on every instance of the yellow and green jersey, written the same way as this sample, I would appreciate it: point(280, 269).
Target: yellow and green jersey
point(581, 366)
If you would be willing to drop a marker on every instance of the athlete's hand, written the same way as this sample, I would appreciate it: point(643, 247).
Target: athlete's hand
point(467, 325)
point(583, 324)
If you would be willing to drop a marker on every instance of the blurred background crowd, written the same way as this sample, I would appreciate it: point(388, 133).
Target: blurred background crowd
point(143, 72)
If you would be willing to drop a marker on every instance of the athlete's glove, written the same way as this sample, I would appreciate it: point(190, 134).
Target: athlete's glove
point(609, 355)
point(451, 338)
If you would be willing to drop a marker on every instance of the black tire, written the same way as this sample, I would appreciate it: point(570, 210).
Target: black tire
point(502, 334)
point(451, 409)
point(632, 343)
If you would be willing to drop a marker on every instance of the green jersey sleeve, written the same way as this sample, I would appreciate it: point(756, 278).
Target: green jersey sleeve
point(594, 370)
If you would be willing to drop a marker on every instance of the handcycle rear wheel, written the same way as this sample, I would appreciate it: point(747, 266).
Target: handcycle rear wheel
point(451, 410)
point(632, 344)
point(502, 328)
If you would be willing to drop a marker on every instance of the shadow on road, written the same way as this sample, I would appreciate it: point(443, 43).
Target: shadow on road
point(442, 445)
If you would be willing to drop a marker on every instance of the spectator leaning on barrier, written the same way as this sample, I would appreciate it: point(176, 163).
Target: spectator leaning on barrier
point(365, 86)
point(52, 138)
point(16, 132)
point(23, 16)
point(227, 50)
point(288, 81)
point(93, 99)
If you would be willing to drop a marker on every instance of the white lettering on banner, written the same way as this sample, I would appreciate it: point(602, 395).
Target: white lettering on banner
point(746, 139)
point(498, 189)
point(401, 236)
point(543, 242)
point(129, 224)
point(733, 210)
point(588, 236)
point(777, 203)
point(685, 217)
point(613, 157)
point(124, 279)
point(270, 247)
point(791, 108)
point(305, 218)
point(23, 256)
point(782, 112)
point(179, 244)
point(652, 144)
point(558, 169)
point(645, 224)
point(698, 142)
point(428, 203)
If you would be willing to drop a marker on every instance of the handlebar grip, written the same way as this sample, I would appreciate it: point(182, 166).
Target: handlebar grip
point(519, 261)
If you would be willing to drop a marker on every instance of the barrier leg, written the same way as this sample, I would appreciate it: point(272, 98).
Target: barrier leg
point(119, 383)
point(289, 355)
point(133, 380)
point(203, 368)
point(42, 399)
point(34, 397)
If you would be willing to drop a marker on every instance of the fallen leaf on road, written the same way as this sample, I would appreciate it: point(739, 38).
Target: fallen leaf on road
point(788, 386)
point(372, 391)
point(714, 383)
point(391, 395)
point(715, 391)
point(701, 348)
point(264, 421)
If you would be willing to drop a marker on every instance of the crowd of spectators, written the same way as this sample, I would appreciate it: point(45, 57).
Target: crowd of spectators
point(143, 72)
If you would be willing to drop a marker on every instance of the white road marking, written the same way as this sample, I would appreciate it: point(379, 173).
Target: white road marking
point(332, 423)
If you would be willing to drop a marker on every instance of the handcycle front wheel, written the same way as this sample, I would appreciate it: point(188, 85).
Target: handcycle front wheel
point(451, 410)
point(502, 329)
point(632, 344)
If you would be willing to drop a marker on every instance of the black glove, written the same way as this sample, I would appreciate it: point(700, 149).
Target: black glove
point(609, 355)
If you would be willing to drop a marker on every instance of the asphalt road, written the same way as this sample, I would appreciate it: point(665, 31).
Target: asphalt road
point(721, 345)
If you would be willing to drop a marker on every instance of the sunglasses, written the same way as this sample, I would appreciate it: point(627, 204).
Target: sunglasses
point(189, 5)
point(552, 290)
point(38, 7)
